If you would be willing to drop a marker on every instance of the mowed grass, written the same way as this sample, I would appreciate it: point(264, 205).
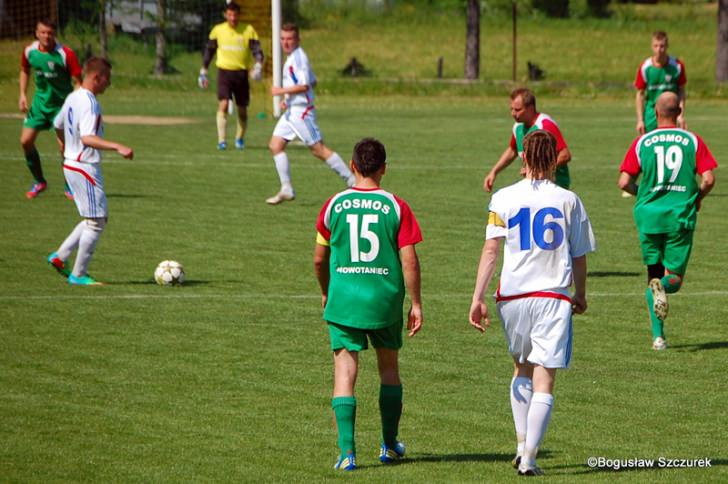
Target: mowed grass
point(228, 378)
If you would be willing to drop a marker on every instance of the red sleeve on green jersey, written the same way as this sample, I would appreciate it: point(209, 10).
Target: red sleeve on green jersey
point(409, 230)
point(24, 64)
point(682, 80)
point(631, 164)
point(72, 64)
point(704, 160)
point(552, 128)
point(639, 81)
point(513, 144)
point(320, 224)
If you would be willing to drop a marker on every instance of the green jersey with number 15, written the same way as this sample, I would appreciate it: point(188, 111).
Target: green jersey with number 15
point(365, 230)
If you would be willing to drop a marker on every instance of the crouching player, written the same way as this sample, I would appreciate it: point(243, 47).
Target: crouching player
point(547, 235)
point(365, 254)
point(79, 129)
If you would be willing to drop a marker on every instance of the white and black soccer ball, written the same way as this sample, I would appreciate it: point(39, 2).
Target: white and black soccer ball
point(169, 273)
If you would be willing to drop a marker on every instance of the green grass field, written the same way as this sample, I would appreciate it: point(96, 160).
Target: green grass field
point(228, 378)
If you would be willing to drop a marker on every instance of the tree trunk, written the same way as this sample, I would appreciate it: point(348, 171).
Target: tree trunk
point(472, 40)
point(721, 54)
point(160, 64)
point(103, 34)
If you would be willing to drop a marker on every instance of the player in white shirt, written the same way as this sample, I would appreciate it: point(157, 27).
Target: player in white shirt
point(80, 129)
point(299, 119)
point(547, 235)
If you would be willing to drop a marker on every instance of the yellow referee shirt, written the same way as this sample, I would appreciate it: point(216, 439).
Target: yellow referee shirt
point(233, 46)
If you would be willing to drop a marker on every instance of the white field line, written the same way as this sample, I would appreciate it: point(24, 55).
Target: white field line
point(178, 294)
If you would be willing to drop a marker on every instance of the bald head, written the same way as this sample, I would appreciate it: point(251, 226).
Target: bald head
point(668, 108)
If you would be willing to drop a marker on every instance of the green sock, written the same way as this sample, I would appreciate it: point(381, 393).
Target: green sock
point(657, 324)
point(32, 159)
point(390, 407)
point(345, 413)
point(671, 283)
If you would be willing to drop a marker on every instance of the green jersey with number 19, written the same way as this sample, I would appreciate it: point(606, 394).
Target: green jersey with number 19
point(365, 229)
point(668, 160)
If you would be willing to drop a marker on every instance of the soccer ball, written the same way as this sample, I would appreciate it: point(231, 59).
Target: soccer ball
point(169, 273)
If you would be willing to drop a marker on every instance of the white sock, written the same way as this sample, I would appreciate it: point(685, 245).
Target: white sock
point(338, 165)
point(538, 421)
point(71, 242)
point(283, 167)
point(86, 245)
point(521, 393)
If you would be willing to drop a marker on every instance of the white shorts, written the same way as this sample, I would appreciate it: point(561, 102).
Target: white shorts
point(87, 184)
point(538, 330)
point(299, 123)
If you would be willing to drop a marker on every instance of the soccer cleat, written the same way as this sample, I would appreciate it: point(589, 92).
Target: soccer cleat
point(530, 471)
point(68, 194)
point(58, 264)
point(659, 298)
point(282, 196)
point(35, 190)
point(387, 455)
point(347, 463)
point(222, 146)
point(659, 344)
point(516, 461)
point(239, 144)
point(83, 281)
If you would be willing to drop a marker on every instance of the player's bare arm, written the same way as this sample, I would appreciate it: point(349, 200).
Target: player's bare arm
point(578, 300)
point(99, 143)
point(563, 157)
point(23, 98)
point(505, 159)
point(640, 108)
point(61, 140)
point(681, 123)
point(627, 183)
point(707, 183)
point(321, 256)
point(297, 89)
point(411, 272)
point(478, 317)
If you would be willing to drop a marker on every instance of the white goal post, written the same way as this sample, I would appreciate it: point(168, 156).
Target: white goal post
point(276, 47)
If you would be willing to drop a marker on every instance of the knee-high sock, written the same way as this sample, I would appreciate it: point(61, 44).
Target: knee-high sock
point(390, 409)
point(345, 413)
point(242, 123)
point(71, 242)
point(658, 326)
point(221, 119)
point(521, 393)
point(86, 245)
point(32, 159)
point(338, 165)
point(283, 167)
point(538, 421)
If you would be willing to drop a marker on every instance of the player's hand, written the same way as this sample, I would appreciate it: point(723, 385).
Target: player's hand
point(414, 319)
point(202, 79)
point(277, 91)
point(479, 316)
point(324, 300)
point(488, 182)
point(681, 123)
point(257, 73)
point(23, 103)
point(283, 105)
point(126, 152)
point(641, 127)
point(578, 304)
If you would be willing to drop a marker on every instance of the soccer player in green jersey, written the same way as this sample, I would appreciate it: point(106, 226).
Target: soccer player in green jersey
point(365, 255)
point(56, 69)
point(657, 74)
point(668, 159)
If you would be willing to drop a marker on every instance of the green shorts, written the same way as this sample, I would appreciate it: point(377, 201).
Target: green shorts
point(672, 250)
point(355, 339)
point(40, 117)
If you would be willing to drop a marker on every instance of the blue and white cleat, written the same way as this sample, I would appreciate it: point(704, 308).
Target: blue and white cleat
point(347, 463)
point(222, 146)
point(83, 281)
point(58, 264)
point(239, 144)
point(388, 455)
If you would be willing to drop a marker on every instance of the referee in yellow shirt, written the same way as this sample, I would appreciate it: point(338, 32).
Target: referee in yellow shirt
point(236, 45)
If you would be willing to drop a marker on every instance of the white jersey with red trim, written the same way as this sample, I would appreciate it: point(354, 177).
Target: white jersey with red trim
point(544, 227)
point(297, 71)
point(80, 116)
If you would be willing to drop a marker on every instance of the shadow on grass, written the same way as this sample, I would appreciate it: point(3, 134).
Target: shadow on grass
point(151, 282)
point(128, 195)
point(713, 345)
point(612, 274)
point(543, 454)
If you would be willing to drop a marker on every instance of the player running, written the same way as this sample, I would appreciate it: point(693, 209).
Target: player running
point(657, 74)
point(668, 199)
point(546, 234)
point(80, 130)
point(523, 110)
point(299, 120)
point(56, 69)
point(365, 255)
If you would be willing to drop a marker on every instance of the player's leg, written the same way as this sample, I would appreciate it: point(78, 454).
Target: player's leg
point(653, 248)
point(282, 134)
point(224, 93)
point(58, 258)
point(90, 236)
point(332, 158)
point(539, 415)
point(241, 92)
point(390, 401)
point(521, 393)
point(28, 136)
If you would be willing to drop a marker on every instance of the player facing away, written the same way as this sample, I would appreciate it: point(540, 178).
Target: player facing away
point(236, 45)
point(56, 69)
point(364, 257)
point(528, 119)
point(546, 234)
point(80, 130)
point(657, 74)
point(668, 160)
point(299, 118)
